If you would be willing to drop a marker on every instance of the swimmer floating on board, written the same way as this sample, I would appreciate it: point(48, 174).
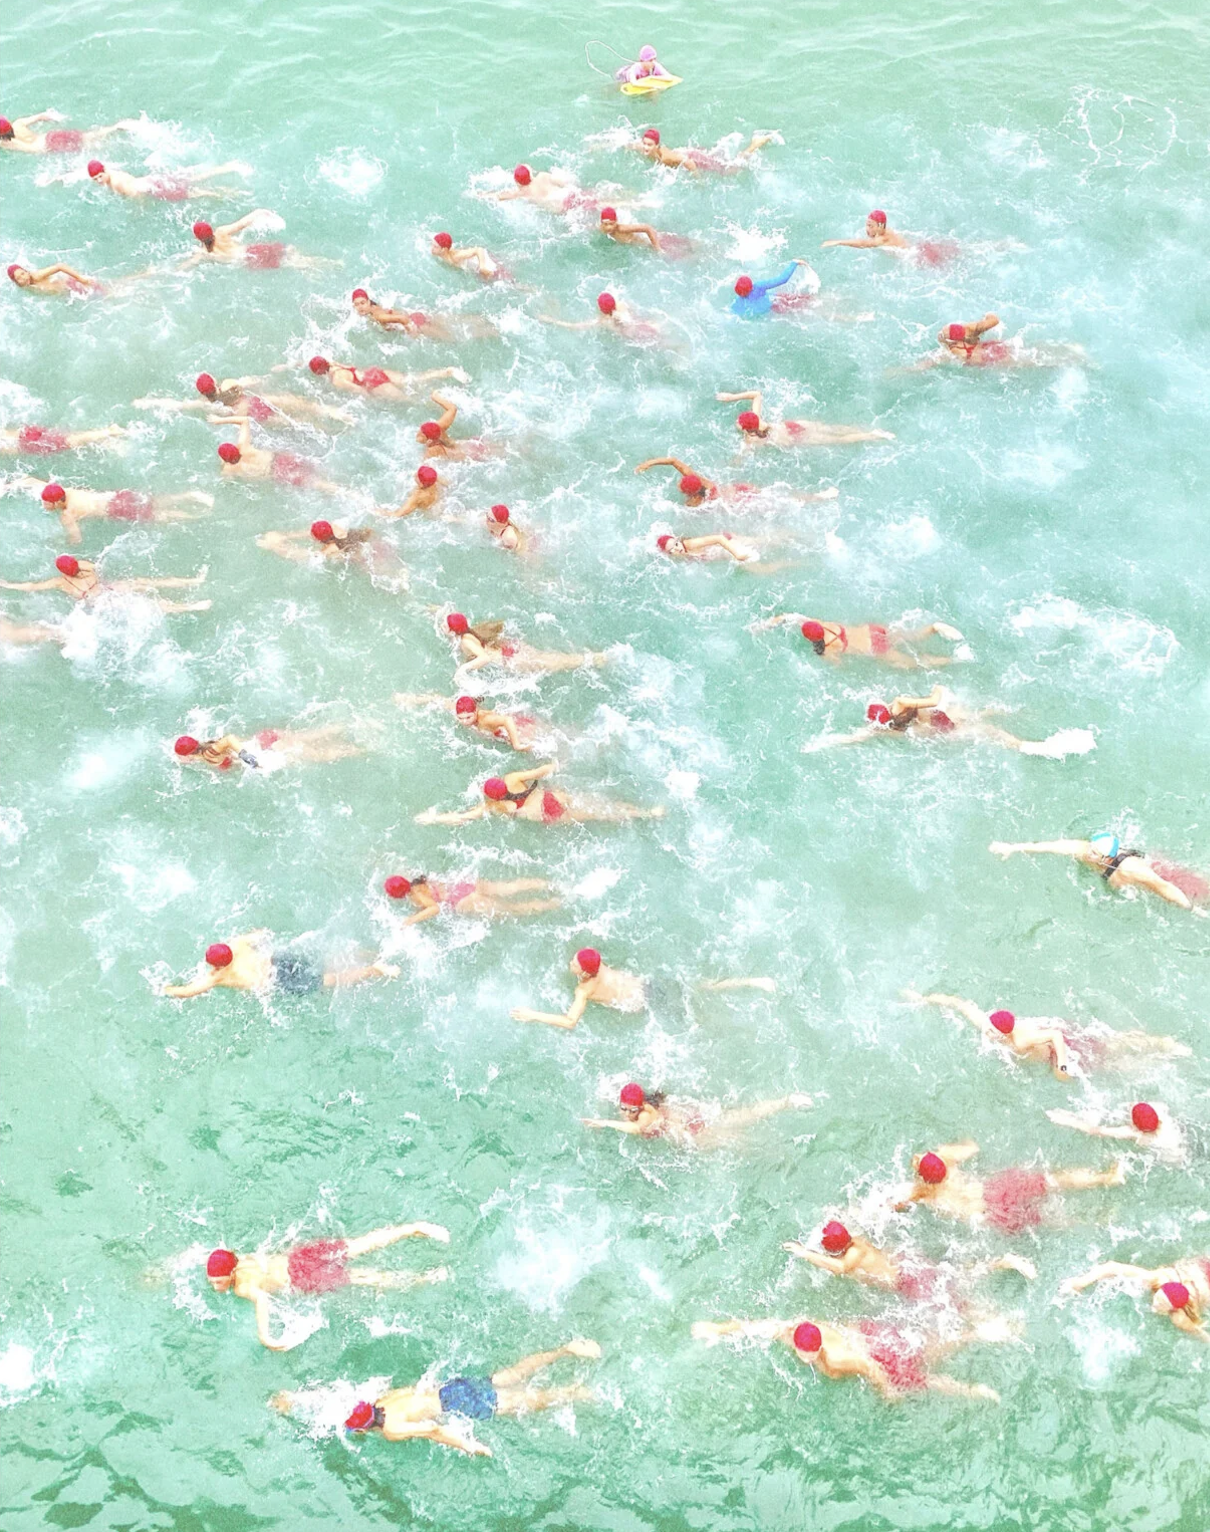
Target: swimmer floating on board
point(688, 1124)
point(78, 578)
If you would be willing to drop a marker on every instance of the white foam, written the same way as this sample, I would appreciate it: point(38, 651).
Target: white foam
point(548, 1263)
point(1064, 742)
point(1131, 641)
point(750, 247)
point(683, 784)
point(1100, 1349)
point(352, 171)
point(596, 883)
point(18, 1375)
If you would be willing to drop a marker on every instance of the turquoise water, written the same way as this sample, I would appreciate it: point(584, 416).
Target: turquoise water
point(1056, 518)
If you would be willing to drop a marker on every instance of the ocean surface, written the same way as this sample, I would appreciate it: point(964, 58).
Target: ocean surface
point(1057, 517)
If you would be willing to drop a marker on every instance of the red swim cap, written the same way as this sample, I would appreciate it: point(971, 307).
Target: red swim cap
point(748, 420)
point(632, 1095)
point(466, 705)
point(808, 1338)
point(322, 531)
point(956, 331)
point(663, 541)
point(835, 1238)
point(431, 431)
point(495, 788)
point(932, 1168)
point(653, 134)
point(878, 712)
point(877, 216)
point(500, 514)
point(743, 286)
point(609, 215)
point(588, 960)
point(319, 365)
point(359, 292)
point(6, 128)
point(95, 168)
point(522, 175)
point(203, 231)
point(812, 631)
point(229, 452)
point(691, 484)
point(221, 1263)
point(1003, 1021)
point(606, 302)
point(426, 474)
point(1177, 1294)
point(397, 887)
point(457, 623)
point(443, 241)
point(361, 1416)
point(186, 745)
point(53, 493)
point(67, 565)
point(13, 270)
point(205, 384)
point(1145, 1118)
point(942, 721)
point(219, 955)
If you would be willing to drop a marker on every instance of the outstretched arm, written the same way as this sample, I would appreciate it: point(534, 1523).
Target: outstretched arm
point(453, 817)
point(836, 1264)
point(450, 411)
point(853, 244)
point(434, 1431)
point(1083, 1123)
point(957, 1154)
point(263, 1332)
point(778, 281)
point(664, 462)
point(611, 1122)
point(29, 584)
point(1054, 847)
point(569, 324)
point(530, 774)
point(187, 991)
point(1109, 1270)
point(412, 503)
point(967, 1008)
point(644, 229)
point(735, 398)
point(568, 1019)
point(988, 322)
point(241, 224)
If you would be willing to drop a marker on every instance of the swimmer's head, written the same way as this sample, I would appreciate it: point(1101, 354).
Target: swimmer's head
point(203, 231)
point(1003, 1021)
point(666, 543)
point(319, 365)
point(443, 241)
point(53, 496)
point(67, 565)
point(397, 887)
point(743, 286)
point(361, 1417)
point(431, 431)
point(878, 712)
point(466, 709)
point(748, 421)
point(206, 386)
point(19, 274)
point(647, 54)
point(651, 136)
point(499, 514)
point(835, 1238)
point(609, 215)
point(1171, 1297)
point(955, 332)
point(877, 218)
point(95, 169)
point(220, 1269)
point(1145, 1117)
point(186, 745)
point(362, 300)
point(813, 632)
point(632, 1097)
point(808, 1339)
point(931, 1169)
point(323, 531)
point(607, 303)
point(457, 623)
point(229, 452)
point(495, 788)
point(522, 175)
point(587, 961)
point(219, 955)
point(6, 128)
point(426, 476)
point(692, 487)
point(942, 721)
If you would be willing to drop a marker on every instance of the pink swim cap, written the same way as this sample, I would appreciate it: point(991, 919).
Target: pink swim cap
point(95, 168)
point(932, 1168)
point(359, 292)
point(812, 631)
point(206, 385)
point(522, 175)
point(13, 270)
point(662, 541)
point(835, 1238)
point(53, 493)
point(457, 623)
point(691, 484)
point(877, 216)
point(186, 745)
point(956, 331)
point(319, 365)
point(203, 231)
point(1003, 1021)
point(426, 475)
point(646, 54)
point(743, 286)
point(397, 887)
point(495, 788)
point(431, 431)
point(588, 960)
point(67, 565)
point(878, 712)
point(808, 1338)
point(500, 514)
point(606, 302)
point(609, 215)
point(229, 452)
point(466, 705)
point(942, 721)
point(1177, 1294)
point(1145, 1117)
point(443, 241)
point(219, 955)
point(361, 1416)
point(632, 1095)
point(322, 531)
point(748, 420)
point(221, 1263)
point(653, 134)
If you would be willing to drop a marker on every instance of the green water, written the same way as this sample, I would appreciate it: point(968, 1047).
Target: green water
point(1056, 518)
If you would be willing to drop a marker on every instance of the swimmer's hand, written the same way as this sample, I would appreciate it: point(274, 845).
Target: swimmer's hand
point(912, 996)
point(430, 1231)
point(799, 1248)
point(585, 1348)
point(282, 1402)
point(1001, 848)
point(427, 817)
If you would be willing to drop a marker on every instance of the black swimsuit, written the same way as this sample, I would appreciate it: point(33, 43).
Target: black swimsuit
point(1115, 862)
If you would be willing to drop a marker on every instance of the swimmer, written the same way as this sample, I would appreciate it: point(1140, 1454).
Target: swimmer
point(78, 578)
point(425, 497)
point(42, 441)
point(221, 244)
point(417, 1413)
point(616, 316)
point(596, 984)
point(418, 323)
point(72, 506)
point(697, 489)
point(1180, 1291)
point(336, 543)
point(485, 644)
point(894, 1364)
point(320, 1267)
point(832, 640)
point(176, 186)
point(689, 1125)
point(516, 795)
point(16, 135)
point(697, 160)
point(55, 281)
point(555, 191)
point(506, 531)
point(795, 433)
point(878, 236)
point(646, 67)
point(251, 962)
point(628, 233)
point(1010, 1200)
point(1151, 1128)
point(938, 716)
point(1120, 868)
point(379, 382)
point(752, 300)
point(517, 728)
point(704, 547)
point(269, 749)
point(475, 897)
point(241, 460)
point(231, 398)
point(964, 343)
point(434, 435)
point(1069, 1050)
point(909, 1275)
point(472, 258)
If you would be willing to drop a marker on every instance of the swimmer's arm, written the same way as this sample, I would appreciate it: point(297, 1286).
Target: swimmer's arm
point(778, 281)
point(434, 1431)
point(956, 1154)
point(606, 1122)
point(283, 544)
point(248, 218)
point(60, 269)
point(245, 434)
point(510, 729)
point(171, 404)
point(1104, 1273)
point(450, 411)
point(422, 699)
point(644, 229)
point(1081, 1124)
point(752, 1329)
point(858, 737)
point(71, 527)
point(566, 1020)
point(1182, 1321)
point(454, 817)
point(833, 1263)
point(906, 1195)
point(988, 322)
point(569, 324)
point(967, 1008)
point(263, 1333)
point(199, 986)
point(29, 585)
point(412, 503)
point(933, 698)
point(1149, 878)
point(421, 915)
point(853, 244)
point(663, 462)
point(531, 774)
point(776, 621)
point(24, 122)
point(1054, 847)
point(510, 194)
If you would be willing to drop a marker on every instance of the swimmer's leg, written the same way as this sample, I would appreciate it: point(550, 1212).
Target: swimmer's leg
point(379, 1239)
point(519, 1401)
point(1082, 1180)
point(184, 606)
point(398, 1281)
point(744, 1116)
point(1144, 1042)
point(520, 1372)
point(941, 1383)
point(516, 886)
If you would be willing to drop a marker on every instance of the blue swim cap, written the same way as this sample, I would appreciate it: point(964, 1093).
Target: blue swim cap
point(1104, 843)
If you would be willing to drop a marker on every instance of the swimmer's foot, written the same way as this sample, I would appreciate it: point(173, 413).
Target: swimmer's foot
point(1116, 1174)
point(437, 1274)
point(799, 1101)
point(912, 996)
point(831, 493)
point(1017, 1263)
point(431, 1231)
point(200, 497)
point(944, 630)
point(584, 1348)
